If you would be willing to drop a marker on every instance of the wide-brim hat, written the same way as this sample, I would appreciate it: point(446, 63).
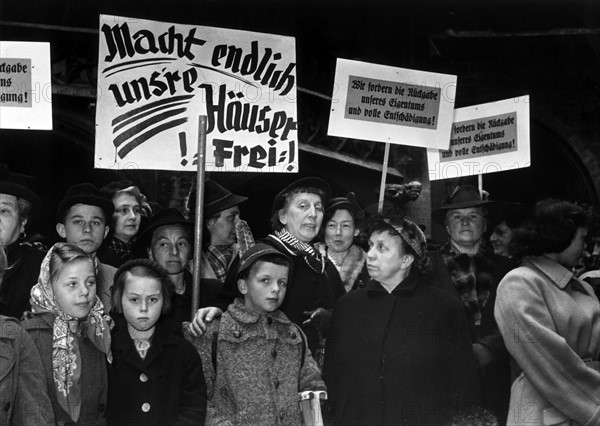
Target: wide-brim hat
point(165, 217)
point(85, 193)
point(217, 198)
point(16, 185)
point(463, 197)
point(309, 182)
point(256, 252)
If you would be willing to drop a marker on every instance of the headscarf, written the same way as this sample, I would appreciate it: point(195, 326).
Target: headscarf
point(66, 358)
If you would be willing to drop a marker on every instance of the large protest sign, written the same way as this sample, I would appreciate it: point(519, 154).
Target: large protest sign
point(395, 105)
point(25, 86)
point(156, 78)
point(485, 138)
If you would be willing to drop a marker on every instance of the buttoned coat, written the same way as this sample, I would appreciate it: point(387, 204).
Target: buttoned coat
point(552, 329)
point(94, 383)
point(24, 396)
point(166, 388)
point(399, 358)
point(261, 363)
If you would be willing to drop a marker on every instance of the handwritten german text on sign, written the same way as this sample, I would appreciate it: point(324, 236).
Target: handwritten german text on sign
point(156, 78)
point(386, 104)
point(485, 138)
point(25, 88)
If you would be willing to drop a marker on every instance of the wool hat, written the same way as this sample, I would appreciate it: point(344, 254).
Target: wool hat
point(254, 253)
point(309, 182)
point(16, 185)
point(463, 197)
point(85, 193)
point(170, 216)
point(217, 198)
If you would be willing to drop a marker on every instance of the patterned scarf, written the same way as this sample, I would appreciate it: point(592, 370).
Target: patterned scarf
point(122, 249)
point(66, 358)
point(219, 258)
point(313, 258)
point(472, 277)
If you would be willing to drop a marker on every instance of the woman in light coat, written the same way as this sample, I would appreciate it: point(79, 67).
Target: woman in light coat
point(550, 322)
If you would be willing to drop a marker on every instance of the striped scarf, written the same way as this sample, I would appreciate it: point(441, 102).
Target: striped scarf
point(313, 258)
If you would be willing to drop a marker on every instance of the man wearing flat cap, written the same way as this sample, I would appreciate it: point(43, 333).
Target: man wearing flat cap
point(222, 214)
point(82, 219)
point(465, 268)
point(17, 204)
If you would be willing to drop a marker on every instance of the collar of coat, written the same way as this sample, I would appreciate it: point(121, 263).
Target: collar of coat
point(240, 313)
point(406, 287)
point(557, 273)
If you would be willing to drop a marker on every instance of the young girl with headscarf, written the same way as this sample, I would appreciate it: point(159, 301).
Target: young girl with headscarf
point(72, 334)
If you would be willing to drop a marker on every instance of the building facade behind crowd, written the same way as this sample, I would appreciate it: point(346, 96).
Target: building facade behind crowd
point(335, 292)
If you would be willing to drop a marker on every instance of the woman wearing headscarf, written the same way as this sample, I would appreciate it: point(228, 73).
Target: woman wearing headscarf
point(550, 321)
point(314, 284)
point(17, 204)
point(398, 351)
point(130, 207)
point(341, 227)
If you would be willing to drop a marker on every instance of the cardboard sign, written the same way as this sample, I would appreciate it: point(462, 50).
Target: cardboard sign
point(396, 105)
point(25, 86)
point(155, 79)
point(485, 138)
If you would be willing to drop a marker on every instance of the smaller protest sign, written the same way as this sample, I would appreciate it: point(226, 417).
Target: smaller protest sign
point(395, 105)
point(485, 138)
point(25, 87)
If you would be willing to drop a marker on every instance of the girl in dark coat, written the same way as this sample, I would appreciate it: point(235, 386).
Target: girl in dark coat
point(398, 352)
point(156, 377)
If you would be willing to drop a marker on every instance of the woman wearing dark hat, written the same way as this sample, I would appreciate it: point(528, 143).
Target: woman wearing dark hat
point(17, 204)
point(398, 351)
point(341, 227)
point(130, 206)
point(467, 270)
point(315, 284)
point(221, 215)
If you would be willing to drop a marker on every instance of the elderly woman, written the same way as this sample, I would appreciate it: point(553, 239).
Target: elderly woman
point(17, 203)
point(315, 284)
point(129, 204)
point(341, 227)
point(550, 322)
point(398, 352)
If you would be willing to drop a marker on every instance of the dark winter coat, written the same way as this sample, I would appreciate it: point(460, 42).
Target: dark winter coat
point(94, 383)
point(24, 261)
point(495, 378)
point(166, 388)
point(400, 358)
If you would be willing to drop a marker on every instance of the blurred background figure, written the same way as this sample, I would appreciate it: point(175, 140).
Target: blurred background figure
point(510, 215)
point(130, 206)
point(342, 218)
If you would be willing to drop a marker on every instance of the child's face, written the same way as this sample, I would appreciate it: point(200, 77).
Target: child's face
point(142, 302)
point(75, 288)
point(265, 287)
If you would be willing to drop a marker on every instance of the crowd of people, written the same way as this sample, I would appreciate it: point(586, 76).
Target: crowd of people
point(493, 327)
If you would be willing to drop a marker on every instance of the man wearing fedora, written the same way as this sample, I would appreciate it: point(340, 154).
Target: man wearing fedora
point(464, 267)
point(82, 220)
point(17, 204)
point(222, 214)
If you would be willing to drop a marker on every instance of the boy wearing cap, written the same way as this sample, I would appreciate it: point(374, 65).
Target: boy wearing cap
point(82, 220)
point(255, 359)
